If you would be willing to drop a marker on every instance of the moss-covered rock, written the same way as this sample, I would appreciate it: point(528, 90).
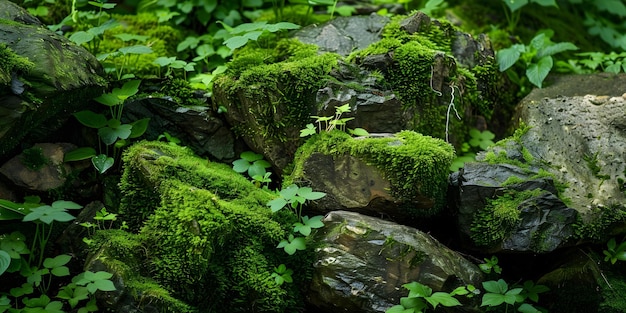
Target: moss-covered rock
point(43, 76)
point(400, 175)
point(203, 235)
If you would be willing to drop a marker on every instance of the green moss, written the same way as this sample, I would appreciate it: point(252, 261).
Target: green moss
point(592, 163)
point(12, 63)
point(33, 158)
point(600, 224)
point(494, 222)
point(283, 81)
point(415, 165)
point(162, 40)
point(211, 237)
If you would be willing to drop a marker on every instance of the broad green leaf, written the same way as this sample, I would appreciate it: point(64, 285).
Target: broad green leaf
point(509, 56)
point(136, 49)
point(546, 3)
point(57, 261)
point(253, 35)
point(248, 27)
point(60, 271)
point(164, 61)
point(289, 192)
point(81, 37)
point(302, 228)
point(313, 222)
point(256, 170)
point(236, 42)
point(515, 5)
point(63, 204)
point(412, 303)
point(129, 88)
point(109, 134)
point(5, 261)
point(442, 298)
point(614, 68)
point(527, 308)
point(537, 72)
point(129, 37)
point(556, 48)
point(251, 156)
point(396, 309)
point(499, 286)
point(359, 132)
point(492, 299)
point(308, 194)
point(79, 154)
point(104, 285)
point(102, 162)
point(109, 99)
point(281, 26)
point(615, 7)
point(139, 127)
point(91, 119)
point(240, 165)
point(277, 204)
point(418, 290)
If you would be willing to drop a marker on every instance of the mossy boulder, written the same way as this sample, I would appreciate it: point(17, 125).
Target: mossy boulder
point(402, 175)
point(271, 92)
point(206, 237)
point(43, 76)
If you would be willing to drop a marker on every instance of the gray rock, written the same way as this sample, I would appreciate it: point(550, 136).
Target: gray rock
point(61, 78)
point(362, 263)
point(197, 127)
point(343, 35)
point(583, 138)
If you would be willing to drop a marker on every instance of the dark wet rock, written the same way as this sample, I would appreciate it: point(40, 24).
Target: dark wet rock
point(46, 77)
point(198, 127)
point(362, 262)
point(529, 217)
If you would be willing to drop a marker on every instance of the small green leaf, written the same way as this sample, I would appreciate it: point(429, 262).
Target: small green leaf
point(277, 204)
point(536, 73)
point(509, 56)
point(81, 37)
point(5, 261)
point(139, 127)
point(236, 42)
point(241, 165)
point(251, 156)
point(359, 132)
point(109, 99)
point(102, 162)
point(136, 49)
point(79, 154)
point(57, 261)
point(91, 119)
point(492, 299)
point(442, 298)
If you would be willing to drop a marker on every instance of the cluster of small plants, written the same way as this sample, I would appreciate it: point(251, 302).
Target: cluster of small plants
point(495, 295)
point(26, 259)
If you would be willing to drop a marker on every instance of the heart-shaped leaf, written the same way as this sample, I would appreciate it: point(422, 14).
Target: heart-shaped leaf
point(102, 162)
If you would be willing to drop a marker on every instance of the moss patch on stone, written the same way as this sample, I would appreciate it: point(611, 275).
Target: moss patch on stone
point(210, 236)
point(495, 221)
point(413, 163)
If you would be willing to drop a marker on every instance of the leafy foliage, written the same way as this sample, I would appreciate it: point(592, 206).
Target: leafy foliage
point(421, 297)
point(536, 57)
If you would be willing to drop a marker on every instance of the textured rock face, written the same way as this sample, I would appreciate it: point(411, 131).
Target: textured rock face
point(61, 78)
point(402, 175)
point(45, 170)
point(394, 75)
point(197, 127)
point(531, 219)
point(584, 139)
point(343, 35)
point(362, 262)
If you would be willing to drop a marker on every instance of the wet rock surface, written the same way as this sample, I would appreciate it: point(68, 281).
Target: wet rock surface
point(362, 261)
